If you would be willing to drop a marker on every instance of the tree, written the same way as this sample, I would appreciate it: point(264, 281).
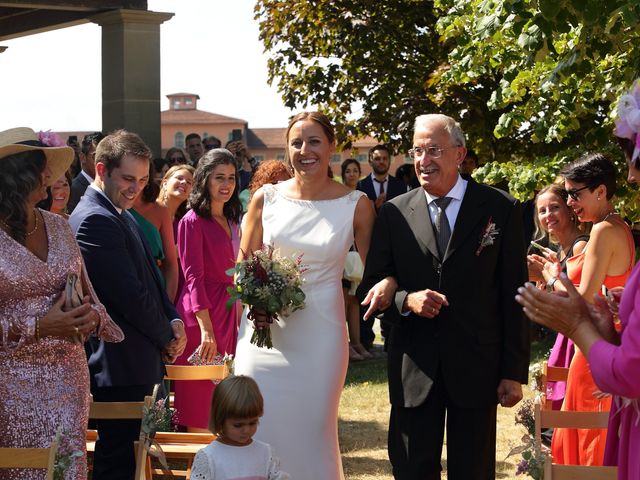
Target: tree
point(365, 63)
point(559, 67)
point(533, 82)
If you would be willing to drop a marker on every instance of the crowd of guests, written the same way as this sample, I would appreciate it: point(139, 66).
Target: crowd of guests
point(149, 243)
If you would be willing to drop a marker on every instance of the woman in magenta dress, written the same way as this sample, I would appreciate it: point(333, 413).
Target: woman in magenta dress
point(208, 240)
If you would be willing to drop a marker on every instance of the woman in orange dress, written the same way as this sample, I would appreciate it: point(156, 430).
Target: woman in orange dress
point(606, 261)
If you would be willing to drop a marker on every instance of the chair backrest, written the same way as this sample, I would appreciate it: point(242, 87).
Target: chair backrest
point(552, 374)
point(563, 419)
point(545, 418)
point(40, 458)
point(578, 472)
point(126, 411)
point(196, 372)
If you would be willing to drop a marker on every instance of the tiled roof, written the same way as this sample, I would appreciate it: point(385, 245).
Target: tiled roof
point(184, 94)
point(266, 137)
point(195, 116)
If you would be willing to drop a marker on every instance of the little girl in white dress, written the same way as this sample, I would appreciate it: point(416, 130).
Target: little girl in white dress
point(236, 409)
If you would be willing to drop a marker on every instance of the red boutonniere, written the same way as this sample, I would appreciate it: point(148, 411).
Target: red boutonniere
point(488, 235)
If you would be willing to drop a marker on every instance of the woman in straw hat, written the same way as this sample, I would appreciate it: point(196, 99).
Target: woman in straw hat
point(44, 381)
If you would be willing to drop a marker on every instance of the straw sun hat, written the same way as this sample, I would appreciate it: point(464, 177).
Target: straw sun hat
point(23, 139)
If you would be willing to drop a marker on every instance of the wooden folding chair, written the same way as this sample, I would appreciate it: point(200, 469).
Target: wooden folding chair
point(184, 446)
point(40, 458)
point(547, 418)
point(552, 374)
point(122, 411)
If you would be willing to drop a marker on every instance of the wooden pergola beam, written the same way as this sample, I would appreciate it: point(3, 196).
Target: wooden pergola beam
point(81, 6)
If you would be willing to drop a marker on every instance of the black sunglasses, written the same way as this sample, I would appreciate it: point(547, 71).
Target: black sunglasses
point(573, 193)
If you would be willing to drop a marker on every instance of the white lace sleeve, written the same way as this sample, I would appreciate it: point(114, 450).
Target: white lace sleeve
point(200, 469)
point(274, 468)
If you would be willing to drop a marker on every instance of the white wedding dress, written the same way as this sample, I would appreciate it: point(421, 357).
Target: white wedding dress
point(301, 378)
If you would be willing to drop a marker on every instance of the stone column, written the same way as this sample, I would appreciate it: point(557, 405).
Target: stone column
point(131, 72)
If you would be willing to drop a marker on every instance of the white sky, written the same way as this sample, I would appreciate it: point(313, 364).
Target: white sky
point(210, 47)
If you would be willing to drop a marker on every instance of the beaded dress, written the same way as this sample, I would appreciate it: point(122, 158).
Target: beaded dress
point(44, 384)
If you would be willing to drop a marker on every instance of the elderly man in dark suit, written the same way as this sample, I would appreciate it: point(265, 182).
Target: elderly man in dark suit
point(459, 342)
point(124, 276)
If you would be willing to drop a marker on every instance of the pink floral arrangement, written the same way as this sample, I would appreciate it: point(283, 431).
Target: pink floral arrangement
point(50, 139)
point(628, 120)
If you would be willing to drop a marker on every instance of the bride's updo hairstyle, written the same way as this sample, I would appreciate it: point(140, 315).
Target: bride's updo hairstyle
point(320, 118)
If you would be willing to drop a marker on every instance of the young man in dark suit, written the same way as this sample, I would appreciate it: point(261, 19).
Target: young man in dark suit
point(379, 185)
point(85, 177)
point(459, 342)
point(122, 271)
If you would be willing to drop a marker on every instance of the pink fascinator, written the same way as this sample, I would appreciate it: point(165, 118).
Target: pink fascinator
point(628, 119)
point(50, 139)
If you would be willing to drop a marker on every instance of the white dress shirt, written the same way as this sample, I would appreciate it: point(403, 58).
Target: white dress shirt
point(452, 210)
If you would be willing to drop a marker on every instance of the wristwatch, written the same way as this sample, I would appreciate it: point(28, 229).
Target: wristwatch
point(551, 283)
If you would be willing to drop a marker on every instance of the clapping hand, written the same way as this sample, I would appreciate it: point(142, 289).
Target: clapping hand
point(602, 319)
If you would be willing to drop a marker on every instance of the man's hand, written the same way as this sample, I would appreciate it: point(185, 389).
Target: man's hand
point(380, 200)
point(425, 303)
point(176, 346)
point(380, 296)
point(509, 392)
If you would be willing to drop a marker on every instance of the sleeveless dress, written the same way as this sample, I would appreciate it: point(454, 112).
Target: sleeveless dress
point(301, 378)
point(563, 348)
point(44, 383)
point(570, 446)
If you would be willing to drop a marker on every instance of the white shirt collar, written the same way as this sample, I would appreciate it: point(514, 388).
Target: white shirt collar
point(457, 192)
point(119, 210)
point(373, 178)
point(87, 176)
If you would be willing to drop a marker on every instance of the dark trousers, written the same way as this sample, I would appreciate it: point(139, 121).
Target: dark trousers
point(114, 458)
point(416, 436)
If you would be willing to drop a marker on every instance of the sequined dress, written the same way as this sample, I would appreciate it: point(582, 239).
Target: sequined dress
point(44, 384)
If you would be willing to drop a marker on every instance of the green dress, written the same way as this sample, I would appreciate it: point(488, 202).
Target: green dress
point(154, 240)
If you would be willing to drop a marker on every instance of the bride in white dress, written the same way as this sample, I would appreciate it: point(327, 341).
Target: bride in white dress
point(301, 378)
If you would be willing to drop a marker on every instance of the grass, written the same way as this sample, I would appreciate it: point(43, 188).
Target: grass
point(364, 417)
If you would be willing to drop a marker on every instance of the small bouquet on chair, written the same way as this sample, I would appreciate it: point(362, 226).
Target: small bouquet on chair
point(227, 359)
point(268, 282)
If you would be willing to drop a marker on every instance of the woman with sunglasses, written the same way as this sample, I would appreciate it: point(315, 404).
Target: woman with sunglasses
point(606, 261)
point(175, 156)
point(556, 226)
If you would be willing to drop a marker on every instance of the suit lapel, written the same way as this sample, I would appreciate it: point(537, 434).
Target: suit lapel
point(420, 222)
point(471, 212)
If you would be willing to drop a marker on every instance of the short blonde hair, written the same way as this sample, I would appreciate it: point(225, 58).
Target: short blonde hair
point(235, 397)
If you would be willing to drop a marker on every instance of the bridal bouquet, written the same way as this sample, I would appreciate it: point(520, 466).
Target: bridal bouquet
point(269, 282)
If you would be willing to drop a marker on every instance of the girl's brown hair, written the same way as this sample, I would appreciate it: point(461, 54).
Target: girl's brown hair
point(235, 397)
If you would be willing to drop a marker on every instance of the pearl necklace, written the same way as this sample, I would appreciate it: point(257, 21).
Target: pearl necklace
point(27, 234)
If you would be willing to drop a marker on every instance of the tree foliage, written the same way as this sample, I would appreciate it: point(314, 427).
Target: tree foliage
point(365, 63)
point(559, 66)
point(533, 82)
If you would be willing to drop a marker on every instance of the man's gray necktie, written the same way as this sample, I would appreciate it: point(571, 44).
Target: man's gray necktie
point(443, 230)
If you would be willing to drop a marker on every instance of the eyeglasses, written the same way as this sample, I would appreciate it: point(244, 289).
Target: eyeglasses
point(573, 193)
point(431, 152)
point(211, 146)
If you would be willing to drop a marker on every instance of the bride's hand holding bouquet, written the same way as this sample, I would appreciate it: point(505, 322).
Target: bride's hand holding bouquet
point(271, 285)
